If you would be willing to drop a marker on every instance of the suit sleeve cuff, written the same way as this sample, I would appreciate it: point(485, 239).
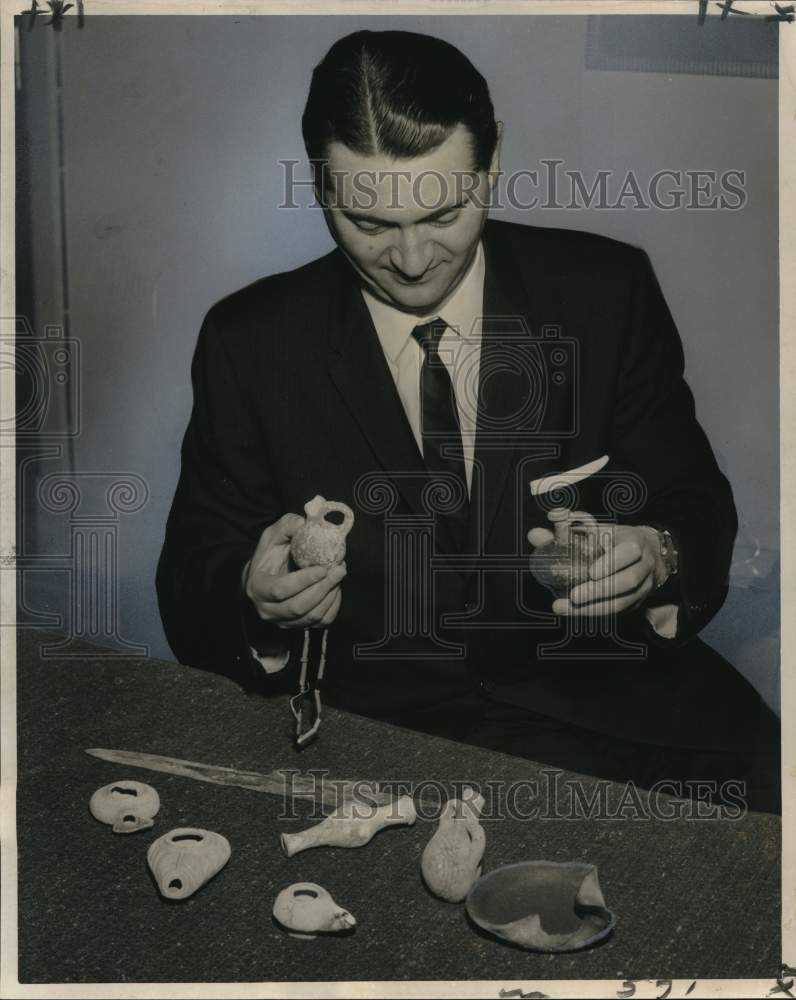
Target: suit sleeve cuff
point(664, 616)
point(664, 619)
point(271, 664)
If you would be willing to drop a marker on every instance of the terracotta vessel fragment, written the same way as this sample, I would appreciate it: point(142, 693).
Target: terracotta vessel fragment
point(542, 905)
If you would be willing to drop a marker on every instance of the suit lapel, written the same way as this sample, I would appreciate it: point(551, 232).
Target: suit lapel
point(359, 370)
point(515, 406)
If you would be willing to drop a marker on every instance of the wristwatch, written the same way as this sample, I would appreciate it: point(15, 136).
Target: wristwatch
point(668, 552)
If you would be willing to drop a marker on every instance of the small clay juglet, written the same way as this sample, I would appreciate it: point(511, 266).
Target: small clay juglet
point(563, 562)
point(319, 542)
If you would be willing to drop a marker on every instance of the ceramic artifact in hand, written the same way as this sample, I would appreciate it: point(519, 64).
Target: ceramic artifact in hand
point(352, 825)
point(319, 542)
point(306, 910)
point(184, 859)
point(127, 806)
point(564, 561)
point(542, 905)
point(451, 861)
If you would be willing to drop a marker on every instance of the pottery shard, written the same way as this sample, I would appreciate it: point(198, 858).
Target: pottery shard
point(542, 905)
point(184, 859)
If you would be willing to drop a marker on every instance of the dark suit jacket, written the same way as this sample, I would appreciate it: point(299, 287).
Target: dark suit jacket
point(580, 358)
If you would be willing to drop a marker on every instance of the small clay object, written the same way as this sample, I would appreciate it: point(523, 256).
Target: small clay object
point(451, 861)
point(352, 825)
point(542, 905)
point(306, 910)
point(564, 561)
point(319, 542)
point(184, 859)
point(127, 806)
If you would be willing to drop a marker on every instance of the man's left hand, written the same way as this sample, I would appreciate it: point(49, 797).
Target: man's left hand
point(627, 572)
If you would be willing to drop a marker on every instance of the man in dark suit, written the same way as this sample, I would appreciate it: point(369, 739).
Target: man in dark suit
point(452, 380)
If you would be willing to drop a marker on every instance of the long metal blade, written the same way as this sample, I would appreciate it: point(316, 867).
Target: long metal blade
point(283, 783)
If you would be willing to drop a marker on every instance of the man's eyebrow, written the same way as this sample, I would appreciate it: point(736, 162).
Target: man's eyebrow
point(367, 217)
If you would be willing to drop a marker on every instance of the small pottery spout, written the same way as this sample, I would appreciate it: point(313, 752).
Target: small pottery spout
point(451, 861)
point(542, 905)
point(564, 561)
point(352, 825)
point(319, 542)
point(306, 910)
point(127, 806)
point(184, 859)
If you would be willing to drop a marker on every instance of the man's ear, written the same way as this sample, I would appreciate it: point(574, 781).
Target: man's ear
point(494, 166)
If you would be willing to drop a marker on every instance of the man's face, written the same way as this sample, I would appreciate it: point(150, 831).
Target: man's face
point(410, 228)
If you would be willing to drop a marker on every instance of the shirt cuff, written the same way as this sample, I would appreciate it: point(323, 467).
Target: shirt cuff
point(271, 664)
point(663, 619)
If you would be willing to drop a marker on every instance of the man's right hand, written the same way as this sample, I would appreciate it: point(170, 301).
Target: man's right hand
point(305, 598)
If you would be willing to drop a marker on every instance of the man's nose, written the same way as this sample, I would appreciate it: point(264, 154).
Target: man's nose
point(411, 254)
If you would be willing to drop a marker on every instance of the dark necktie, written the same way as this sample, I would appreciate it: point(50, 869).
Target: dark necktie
point(439, 423)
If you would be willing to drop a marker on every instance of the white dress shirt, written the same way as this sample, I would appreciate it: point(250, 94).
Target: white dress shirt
point(459, 350)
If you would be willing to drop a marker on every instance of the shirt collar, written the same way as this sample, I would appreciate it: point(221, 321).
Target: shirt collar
point(465, 305)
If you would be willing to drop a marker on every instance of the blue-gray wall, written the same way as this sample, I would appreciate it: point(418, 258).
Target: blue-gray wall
point(172, 128)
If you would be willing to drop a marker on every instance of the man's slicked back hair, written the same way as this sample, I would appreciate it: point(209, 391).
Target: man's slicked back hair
point(399, 94)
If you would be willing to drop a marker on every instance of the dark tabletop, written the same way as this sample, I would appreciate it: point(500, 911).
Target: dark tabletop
point(693, 898)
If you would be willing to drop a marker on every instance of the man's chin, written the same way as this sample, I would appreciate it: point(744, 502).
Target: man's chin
point(420, 299)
